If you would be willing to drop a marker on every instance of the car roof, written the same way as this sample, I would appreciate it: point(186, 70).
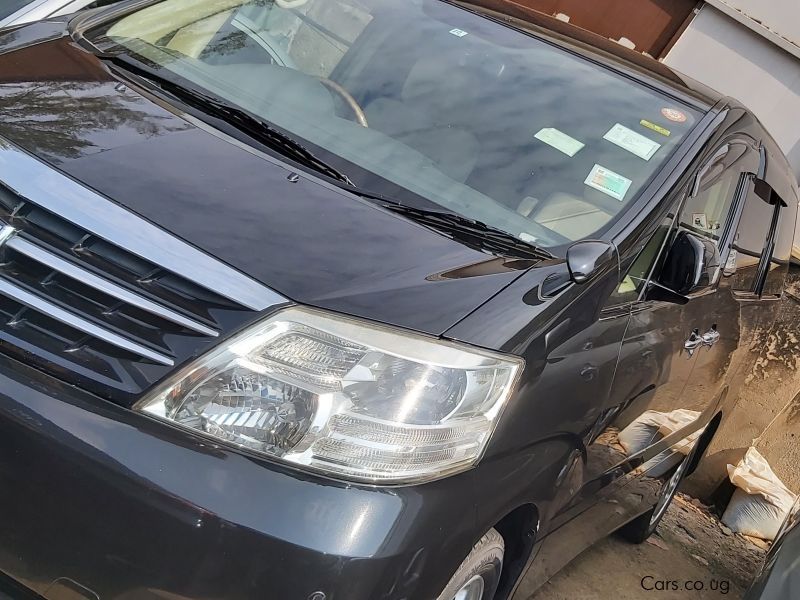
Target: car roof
point(597, 48)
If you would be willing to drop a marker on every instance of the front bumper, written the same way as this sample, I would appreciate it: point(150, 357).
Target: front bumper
point(97, 501)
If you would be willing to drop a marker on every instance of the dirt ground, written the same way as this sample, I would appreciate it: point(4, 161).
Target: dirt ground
point(692, 556)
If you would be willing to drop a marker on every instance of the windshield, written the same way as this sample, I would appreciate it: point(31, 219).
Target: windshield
point(422, 96)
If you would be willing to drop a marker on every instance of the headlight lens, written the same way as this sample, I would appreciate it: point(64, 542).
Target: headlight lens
point(344, 396)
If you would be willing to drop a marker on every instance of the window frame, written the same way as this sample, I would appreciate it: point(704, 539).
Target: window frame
point(757, 290)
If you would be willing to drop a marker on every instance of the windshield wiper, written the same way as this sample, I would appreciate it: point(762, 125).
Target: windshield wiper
point(470, 231)
point(241, 119)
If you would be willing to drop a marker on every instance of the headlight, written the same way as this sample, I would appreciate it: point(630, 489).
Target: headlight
point(344, 396)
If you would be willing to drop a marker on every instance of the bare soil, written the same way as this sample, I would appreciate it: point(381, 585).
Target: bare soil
point(692, 556)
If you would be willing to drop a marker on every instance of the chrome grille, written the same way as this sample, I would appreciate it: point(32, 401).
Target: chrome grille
point(97, 294)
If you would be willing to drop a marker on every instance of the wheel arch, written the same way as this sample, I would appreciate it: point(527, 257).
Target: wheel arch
point(519, 528)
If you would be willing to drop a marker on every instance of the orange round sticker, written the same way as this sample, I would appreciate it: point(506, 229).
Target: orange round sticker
point(673, 114)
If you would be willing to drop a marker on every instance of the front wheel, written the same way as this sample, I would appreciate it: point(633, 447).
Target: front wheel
point(478, 576)
point(641, 528)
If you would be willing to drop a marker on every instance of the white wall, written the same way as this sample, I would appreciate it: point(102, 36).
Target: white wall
point(724, 54)
point(781, 16)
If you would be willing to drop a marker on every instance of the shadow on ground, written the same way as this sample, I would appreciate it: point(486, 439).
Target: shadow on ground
point(692, 557)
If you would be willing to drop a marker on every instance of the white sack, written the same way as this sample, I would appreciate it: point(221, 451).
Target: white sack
point(661, 464)
point(761, 502)
point(754, 475)
point(637, 436)
point(751, 514)
point(651, 426)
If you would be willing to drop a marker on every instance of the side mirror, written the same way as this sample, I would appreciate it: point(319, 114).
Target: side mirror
point(588, 259)
point(691, 264)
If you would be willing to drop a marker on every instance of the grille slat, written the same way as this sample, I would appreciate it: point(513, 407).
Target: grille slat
point(77, 206)
point(103, 285)
point(59, 314)
point(100, 297)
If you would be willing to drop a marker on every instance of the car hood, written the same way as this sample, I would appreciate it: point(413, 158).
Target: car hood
point(306, 239)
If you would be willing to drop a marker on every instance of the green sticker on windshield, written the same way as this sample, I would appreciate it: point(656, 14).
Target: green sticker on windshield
point(559, 140)
point(608, 182)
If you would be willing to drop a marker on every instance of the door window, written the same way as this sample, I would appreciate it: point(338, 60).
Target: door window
point(706, 212)
point(634, 281)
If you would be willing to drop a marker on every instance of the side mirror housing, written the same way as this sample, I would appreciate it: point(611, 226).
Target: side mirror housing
point(588, 259)
point(691, 264)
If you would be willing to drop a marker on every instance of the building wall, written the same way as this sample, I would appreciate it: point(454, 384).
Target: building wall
point(780, 16)
point(648, 25)
point(724, 54)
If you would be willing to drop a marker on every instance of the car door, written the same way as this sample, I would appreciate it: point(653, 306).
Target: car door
point(663, 340)
point(677, 353)
point(752, 283)
point(747, 300)
point(654, 365)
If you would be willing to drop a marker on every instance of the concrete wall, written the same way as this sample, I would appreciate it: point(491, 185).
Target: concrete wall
point(732, 58)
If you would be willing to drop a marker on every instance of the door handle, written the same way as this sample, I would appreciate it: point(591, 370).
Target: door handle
point(711, 336)
point(693, 343)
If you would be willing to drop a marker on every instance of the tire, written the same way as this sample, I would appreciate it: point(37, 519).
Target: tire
point(642, 527)
point(484, 563)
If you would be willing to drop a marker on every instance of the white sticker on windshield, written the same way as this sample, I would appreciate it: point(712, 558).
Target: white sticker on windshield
point(633, 142)
point(458, 32)
point(560, 141)
point(608, 182)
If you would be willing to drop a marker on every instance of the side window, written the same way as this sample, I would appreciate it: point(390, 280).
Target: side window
point(706, 212)
point(751, 238)
point(634, 281)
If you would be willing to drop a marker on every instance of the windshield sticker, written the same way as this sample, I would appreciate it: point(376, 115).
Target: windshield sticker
point(654, 127)
point(700, 220)
point(633, 142)
point(608, 182)
point(560, 141)
point(673, 114)
point(458, 32)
